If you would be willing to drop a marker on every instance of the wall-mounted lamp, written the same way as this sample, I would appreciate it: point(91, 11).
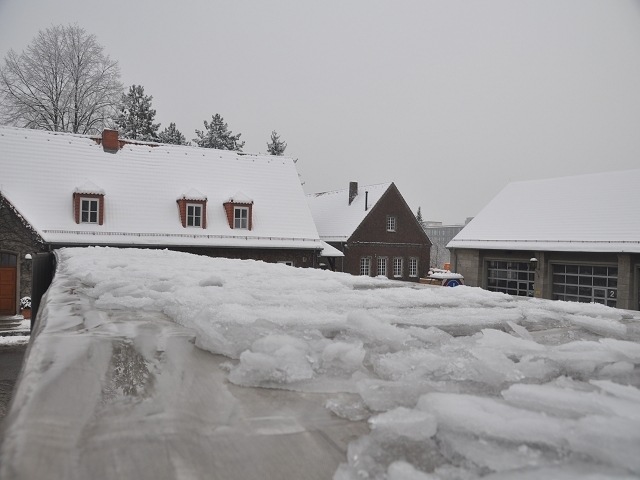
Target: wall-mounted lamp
point(27, 256)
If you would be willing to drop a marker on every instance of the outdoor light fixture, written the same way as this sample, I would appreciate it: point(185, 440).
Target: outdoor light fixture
point(27, 256)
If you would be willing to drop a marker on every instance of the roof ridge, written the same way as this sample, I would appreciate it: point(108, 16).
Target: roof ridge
point(316, 194)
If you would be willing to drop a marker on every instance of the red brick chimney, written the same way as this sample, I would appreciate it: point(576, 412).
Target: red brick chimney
point(110, 140)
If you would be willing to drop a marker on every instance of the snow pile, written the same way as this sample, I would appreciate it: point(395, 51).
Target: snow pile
point(456, 382)
point(13, 340)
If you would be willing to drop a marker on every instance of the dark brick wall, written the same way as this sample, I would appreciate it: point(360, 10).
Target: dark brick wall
point(371, 238)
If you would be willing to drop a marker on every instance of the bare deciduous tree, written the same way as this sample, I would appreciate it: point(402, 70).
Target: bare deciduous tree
point(62, 81)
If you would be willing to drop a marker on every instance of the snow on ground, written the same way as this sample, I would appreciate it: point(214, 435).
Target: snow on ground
point(456, 383)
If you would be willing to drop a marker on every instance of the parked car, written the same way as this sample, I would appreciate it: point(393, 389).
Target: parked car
point(437, 276)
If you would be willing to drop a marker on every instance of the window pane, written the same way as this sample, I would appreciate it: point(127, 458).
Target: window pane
point(8, 260)
point(88, 211)
point(391, 224)
point(397, 267)
point(365, 266)
point(601, 271)
point(382, 266)
point(241, 216)
point(584, 270)
point(413, 267)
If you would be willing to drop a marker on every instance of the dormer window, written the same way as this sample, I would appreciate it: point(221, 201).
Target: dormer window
point(88, 204)
point(241, 217)
point(194, 215)
point(89, 210)
point(239, 210)
point(192, 207)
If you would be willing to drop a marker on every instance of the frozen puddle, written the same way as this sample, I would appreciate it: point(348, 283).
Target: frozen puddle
point(161, 365)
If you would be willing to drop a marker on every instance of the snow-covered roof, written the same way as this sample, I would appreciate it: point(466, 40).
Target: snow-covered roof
point(240, 197)
point(335, 219)
point(40, 171)
point(193, 194)
point(89, 187)
point(585, 213)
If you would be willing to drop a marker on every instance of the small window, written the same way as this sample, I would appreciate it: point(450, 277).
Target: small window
point(193, 211)
point(391, 223)
point(194, 215)
point(365, 266)
point(413, 267)
point(382, 266)
point(8, 260)
point(241, 217)
point(397, 267)
point(89, 210)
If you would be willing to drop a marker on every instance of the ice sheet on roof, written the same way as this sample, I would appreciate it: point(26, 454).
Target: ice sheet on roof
point(455, 382)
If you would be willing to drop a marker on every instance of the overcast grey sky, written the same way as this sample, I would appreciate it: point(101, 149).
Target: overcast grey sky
point(449, 99)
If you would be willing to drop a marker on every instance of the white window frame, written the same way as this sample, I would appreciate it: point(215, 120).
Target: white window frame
point(365, 266)
point(398, 267)
point(91, 201)
point(383, 263)
point(413, 267)
point(238, 221)
point(391, 223)
point(195, 218)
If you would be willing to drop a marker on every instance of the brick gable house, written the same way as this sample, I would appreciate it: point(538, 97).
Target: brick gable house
point(375, 229)
point(59, 189)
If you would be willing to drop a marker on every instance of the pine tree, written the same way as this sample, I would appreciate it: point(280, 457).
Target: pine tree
point(217, 135)
point(419, 216)
point(136, 116)
point(276, 147)
point(172, 135)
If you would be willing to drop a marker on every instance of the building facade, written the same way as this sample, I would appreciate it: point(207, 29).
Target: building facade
point(440, 235)
point(375, 230)
point(575, 245)
point(60, 189)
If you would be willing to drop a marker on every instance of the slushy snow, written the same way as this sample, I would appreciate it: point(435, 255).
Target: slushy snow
point(456, 383)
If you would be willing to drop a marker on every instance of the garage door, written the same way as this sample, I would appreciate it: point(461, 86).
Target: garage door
point(586, 283)
point(514, 278)
point(8, 275)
